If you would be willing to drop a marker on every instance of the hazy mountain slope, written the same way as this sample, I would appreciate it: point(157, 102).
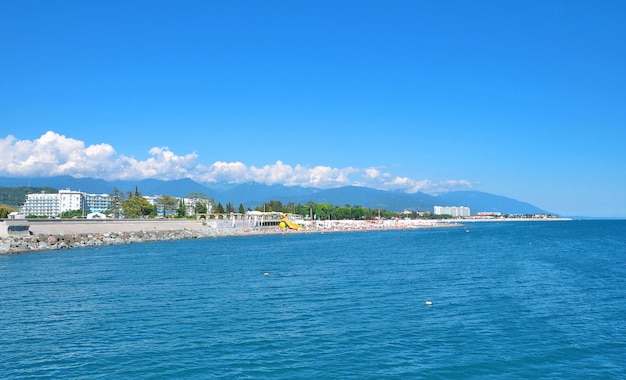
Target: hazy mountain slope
point(484, 202)
point(88, 185)
point(371, 198)
point(176, 188)
point(252, 195)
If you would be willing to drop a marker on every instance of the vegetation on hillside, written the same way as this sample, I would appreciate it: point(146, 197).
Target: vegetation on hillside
point(5, 210)
point(15, 196)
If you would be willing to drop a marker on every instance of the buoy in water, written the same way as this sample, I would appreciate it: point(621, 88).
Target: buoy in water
point(429, 303)
point(266, 273)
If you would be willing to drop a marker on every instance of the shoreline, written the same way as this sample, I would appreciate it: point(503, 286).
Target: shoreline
point(46, 235)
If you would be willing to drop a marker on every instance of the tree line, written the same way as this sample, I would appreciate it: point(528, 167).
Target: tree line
point(134, 205)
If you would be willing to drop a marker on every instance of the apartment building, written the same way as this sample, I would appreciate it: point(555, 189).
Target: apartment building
point(455, 211)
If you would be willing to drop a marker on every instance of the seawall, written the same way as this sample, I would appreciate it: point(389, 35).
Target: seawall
point(45, 235)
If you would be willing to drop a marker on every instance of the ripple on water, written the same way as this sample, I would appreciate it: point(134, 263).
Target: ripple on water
point(349, 305)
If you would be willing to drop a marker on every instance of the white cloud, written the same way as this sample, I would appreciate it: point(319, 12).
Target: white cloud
point(54, 154)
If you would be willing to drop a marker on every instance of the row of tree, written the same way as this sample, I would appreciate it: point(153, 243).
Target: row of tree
point(325, 211)
point(134, 205)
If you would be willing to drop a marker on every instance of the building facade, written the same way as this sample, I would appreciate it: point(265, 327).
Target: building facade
point(71, 200)
point(98, 202)
point(455, 211)
point(42, 205)
point(53, 205)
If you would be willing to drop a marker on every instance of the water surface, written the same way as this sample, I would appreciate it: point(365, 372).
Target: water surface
point(509, 300)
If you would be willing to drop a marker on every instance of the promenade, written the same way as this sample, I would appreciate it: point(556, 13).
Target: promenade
point(54, 234)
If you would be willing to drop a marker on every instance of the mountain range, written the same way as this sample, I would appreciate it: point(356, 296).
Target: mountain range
point(253, 194)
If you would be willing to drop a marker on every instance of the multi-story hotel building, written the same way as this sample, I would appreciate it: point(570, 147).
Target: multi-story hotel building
point(53, 205)
point(455, 211)
point(98, 202)
point(42, 205)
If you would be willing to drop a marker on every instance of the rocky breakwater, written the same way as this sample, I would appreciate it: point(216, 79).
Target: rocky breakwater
point(42, 242)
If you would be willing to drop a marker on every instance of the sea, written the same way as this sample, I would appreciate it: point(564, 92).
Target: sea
point(492, 300)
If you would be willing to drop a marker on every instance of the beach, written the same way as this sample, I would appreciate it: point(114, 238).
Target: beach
point(52, 234)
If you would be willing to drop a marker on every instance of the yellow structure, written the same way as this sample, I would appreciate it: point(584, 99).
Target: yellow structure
point(285, 222)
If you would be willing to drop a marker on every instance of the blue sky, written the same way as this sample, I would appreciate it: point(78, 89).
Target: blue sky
point(525, 99)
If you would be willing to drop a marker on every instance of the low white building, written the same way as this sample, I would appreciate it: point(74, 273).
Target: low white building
point(16, 215)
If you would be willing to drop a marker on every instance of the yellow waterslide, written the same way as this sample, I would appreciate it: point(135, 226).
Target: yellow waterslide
point(288, 223)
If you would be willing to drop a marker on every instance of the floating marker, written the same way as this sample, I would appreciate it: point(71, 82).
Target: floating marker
point(429, 303)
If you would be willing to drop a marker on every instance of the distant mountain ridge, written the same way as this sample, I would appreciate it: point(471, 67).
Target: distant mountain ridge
point(253, 194)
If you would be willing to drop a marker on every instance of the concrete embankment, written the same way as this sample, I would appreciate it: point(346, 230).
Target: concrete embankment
point(64, 234)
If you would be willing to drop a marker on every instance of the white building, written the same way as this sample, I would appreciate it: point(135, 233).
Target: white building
point(53, 205)
point(99, 203)
point(71, 200)
point(455, 211)
point(42, 205)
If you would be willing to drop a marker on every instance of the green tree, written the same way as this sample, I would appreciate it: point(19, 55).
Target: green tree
point(241, 209)
point(137, 206)
point(201, 207)
point(199, 202)
point(117, 198)
point(5, 211)
point(219, 208)
point(272, 206)
point(290, 207)
point(169, 204)
point(230, 208)
point(360, 212)
point(72, 214)
point(342, 212)
point(196, 195)
point(181, 212)
point(323, 210)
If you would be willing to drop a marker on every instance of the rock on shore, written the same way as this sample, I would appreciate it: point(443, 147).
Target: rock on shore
point(42, 242)
point(76, 234)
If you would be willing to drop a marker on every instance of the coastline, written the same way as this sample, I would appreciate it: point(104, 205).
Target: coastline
point(45, 235)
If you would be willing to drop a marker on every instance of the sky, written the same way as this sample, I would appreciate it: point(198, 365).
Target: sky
point(524, 99)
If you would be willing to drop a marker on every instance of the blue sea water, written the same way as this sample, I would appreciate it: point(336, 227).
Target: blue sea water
point(514, 300)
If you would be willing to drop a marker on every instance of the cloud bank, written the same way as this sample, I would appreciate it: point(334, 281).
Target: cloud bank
point(53, 154)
